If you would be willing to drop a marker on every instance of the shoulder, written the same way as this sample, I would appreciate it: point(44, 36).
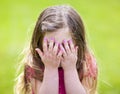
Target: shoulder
point(33, 78)
point(90, 66)
point(90, 73)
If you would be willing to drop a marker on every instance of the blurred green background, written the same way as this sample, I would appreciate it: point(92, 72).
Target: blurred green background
point(102, 22)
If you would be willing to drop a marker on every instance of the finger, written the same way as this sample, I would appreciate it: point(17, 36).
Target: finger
point(45, 43)
point(72, 48)
point(51, 43)
point(66, 46)
point(62, 49)
point(39, 52)
point(55, 49)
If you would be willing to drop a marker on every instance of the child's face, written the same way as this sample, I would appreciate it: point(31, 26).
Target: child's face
point(59, 35)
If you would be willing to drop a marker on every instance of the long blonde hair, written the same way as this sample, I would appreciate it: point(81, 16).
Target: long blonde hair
point(51, 19)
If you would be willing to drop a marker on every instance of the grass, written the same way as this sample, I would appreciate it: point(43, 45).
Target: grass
point(101, 18)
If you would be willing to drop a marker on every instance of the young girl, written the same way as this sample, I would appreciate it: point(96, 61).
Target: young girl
point(58, 60)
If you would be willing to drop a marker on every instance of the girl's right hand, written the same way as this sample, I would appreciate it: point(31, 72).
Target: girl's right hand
point(50, 56)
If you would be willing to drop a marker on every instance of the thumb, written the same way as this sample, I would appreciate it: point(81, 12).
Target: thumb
point(76, 49)
point(39, 52)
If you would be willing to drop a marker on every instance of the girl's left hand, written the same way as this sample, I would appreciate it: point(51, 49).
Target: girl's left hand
point(69, 57)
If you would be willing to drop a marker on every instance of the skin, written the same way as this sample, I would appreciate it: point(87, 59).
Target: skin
point(60, 52)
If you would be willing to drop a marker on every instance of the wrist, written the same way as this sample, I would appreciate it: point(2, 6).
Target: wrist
point(50, 69)
point(51, 73)
point(69, 69)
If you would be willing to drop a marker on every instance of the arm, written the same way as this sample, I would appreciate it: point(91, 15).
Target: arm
point(51, 59)
point(72, 82)
point(49, 84)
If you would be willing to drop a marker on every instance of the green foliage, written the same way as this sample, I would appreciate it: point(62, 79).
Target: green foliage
point(101, 18)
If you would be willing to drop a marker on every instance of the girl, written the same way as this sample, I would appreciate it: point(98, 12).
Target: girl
point(58, 60)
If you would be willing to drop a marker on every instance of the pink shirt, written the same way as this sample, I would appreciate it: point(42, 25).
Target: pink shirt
point(61, 81)
point(91, 69)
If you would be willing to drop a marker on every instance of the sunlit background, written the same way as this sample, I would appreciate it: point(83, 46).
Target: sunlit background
point(102, 22)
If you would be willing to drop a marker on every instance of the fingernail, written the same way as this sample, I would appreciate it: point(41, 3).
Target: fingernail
point(64, 41)
point(45, 39)
point(52, 38)
point(69, 41)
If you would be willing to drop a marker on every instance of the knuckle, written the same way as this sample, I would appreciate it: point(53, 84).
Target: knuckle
point(54, 51)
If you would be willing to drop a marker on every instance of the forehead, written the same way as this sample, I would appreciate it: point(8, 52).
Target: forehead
point(59, 35)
